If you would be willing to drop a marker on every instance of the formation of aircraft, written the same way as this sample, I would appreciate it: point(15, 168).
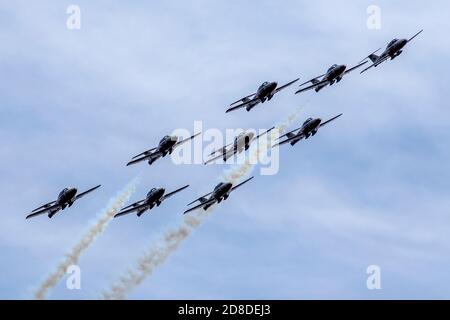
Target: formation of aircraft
point(392, 51)
point(221, 192)
point(154, 198)
point(265, 92)
point(308, 128)
point(65, 199)
point(241, 142)
point(165, 147)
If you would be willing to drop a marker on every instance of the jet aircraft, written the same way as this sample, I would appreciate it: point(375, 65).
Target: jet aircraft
point(333, 75)
point(165, 146)
point(221, 192)
point(392, 51)
point(65, 199)
point(309, 128)
point(154, 197)
point(265, 92)
point(241, 142)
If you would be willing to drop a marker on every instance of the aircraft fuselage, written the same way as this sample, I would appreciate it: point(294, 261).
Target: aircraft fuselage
point(221, 191)
point(393, 50)
point(166, 144)
point(335, 72)
point(66, 197)
point(154, 196)
point(266, 91)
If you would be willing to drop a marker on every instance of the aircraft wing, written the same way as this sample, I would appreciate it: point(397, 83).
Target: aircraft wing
point(179, 143)
point(241, 105)
point(86, 192)
point(51, 206)
point(134, 204)
point(314, 85)
point(328, 121)
point(258, 136)
point(355, 67)
point(415, 35)
point(286, 85)
point(201, 205)
point(296, 137)
point(243, 99)
point(240, 184)
point(132, 208)
point(44, 206)
point(154, 155)
point(168, 195)
point(147, 152)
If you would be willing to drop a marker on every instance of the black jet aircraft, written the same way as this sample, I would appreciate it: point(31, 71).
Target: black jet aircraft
point(241, 142)
point(392, 51)
point(333, 75)
point(265, 92)
point(221, 192)
point(154, 197)
point(165, 146)
point(309, 128)
point(65, 199)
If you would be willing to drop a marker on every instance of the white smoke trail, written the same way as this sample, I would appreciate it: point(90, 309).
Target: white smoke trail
point(171, 240)
point(72, 257)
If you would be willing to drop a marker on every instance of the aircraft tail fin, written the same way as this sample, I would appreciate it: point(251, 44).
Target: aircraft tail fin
point(290, 135)
point(373, 57)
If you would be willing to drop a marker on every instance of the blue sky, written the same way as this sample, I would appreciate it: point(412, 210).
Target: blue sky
point(372, 188)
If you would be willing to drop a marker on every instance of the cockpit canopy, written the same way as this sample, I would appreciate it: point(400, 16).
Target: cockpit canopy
point(164, 139)
point(63, 191)
point(218, 186)
point(307, 120)
point(264, 84)
point(392, 42)
point(151, 191)
point(332, 67)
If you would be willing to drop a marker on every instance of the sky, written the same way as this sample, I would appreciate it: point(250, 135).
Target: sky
point(369, 189)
